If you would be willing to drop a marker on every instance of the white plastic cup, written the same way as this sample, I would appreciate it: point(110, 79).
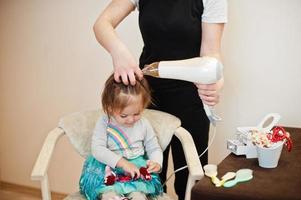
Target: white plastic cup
point(269, 157)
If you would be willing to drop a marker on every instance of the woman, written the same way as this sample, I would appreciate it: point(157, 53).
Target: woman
point(171, 30)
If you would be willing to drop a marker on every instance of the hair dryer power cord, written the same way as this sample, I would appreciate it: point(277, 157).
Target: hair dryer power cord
point(184, 167)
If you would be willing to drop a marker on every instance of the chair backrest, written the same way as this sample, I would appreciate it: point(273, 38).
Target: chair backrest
point(79, 127)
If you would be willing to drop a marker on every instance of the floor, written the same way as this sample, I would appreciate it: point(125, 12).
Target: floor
point(9, 195)
point(10, 191)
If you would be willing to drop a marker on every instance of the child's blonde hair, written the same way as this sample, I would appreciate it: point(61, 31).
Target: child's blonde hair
point(116, 96)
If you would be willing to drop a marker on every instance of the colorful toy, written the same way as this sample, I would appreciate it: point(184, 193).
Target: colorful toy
point(265, 134)
point(279, 134)
point(267, 140)
point(112, 177)
point(211, 172)
point(228, 176)
point(242, 175)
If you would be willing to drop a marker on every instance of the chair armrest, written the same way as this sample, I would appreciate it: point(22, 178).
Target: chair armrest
point(41, 166)
point(191, 155)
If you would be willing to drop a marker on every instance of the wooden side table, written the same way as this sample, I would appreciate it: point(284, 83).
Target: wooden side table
point(280, 183)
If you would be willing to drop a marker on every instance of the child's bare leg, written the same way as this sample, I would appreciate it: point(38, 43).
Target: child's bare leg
point(137, 196)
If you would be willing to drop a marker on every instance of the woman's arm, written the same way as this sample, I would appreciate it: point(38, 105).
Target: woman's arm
point(211, 39)
point(211, 46)
point(125, 65)
point(213, 18)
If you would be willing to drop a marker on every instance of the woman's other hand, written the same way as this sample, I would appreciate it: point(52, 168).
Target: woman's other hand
point(210, 93)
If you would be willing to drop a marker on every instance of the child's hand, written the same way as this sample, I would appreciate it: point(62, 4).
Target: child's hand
point(153, 166)
point(129, 168)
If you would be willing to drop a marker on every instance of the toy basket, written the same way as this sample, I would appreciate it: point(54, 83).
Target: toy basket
point(269, 157)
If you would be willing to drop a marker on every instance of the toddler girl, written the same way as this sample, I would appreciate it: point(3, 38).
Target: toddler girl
point(126, 155)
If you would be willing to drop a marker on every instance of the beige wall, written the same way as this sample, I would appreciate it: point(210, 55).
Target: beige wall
point(261, 50)
point(51, 64)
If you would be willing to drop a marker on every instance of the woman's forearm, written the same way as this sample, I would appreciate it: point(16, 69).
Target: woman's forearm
point(107, 37)
point(104, 27)
point(211, 39)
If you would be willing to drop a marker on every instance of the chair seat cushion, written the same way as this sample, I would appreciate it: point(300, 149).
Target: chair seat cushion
point(79, 127)
point(78, 196)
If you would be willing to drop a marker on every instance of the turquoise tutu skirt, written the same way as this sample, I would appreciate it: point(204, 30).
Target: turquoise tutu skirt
point(92, 180)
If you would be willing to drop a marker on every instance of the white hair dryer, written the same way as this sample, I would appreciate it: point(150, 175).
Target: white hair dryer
point(205, 70)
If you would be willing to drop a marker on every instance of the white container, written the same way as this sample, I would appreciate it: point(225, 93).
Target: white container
point(269, 157)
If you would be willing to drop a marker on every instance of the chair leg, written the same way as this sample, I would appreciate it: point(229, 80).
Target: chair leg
point(46, 194)
point(190, 183)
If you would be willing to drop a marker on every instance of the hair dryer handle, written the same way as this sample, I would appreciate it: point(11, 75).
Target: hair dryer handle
point(213, 118)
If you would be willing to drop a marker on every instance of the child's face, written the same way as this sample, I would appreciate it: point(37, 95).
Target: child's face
point(131, 113)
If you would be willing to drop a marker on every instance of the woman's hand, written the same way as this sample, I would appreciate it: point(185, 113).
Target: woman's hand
point(209, 93)
point(153, 166)
point(126, 69)
point(129, 168)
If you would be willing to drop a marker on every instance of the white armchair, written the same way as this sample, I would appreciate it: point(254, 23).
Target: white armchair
point(78, 127)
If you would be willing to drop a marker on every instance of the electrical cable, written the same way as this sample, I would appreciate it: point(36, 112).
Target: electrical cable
point(184, 167)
